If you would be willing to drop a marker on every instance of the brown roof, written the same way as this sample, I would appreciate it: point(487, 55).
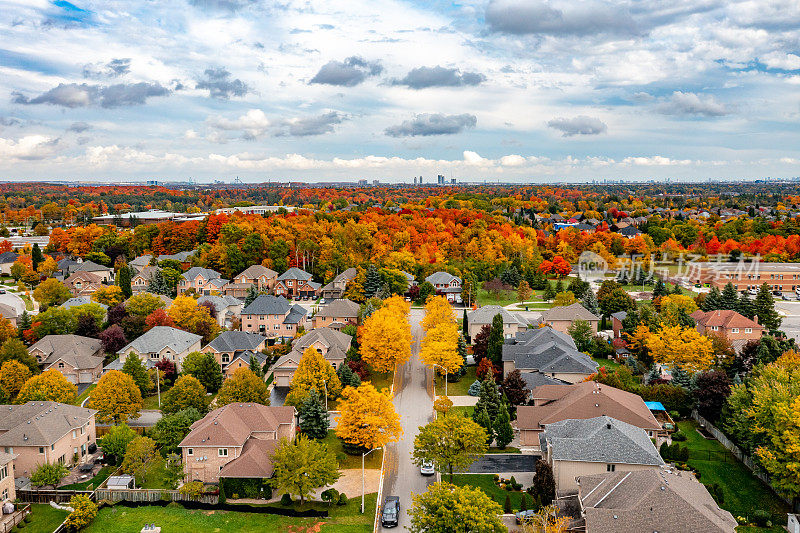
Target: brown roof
point(663, 500)
point(233, 424)
point(255, 460)
point(342, 308)
point(39, 423)
point(569, 312)
point(79, 352)
point(725, 319)
point(584, 400)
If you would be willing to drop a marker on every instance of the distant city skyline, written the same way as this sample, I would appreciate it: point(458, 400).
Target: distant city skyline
point(496, 90)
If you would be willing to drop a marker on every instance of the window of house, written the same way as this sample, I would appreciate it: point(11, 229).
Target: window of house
point(4, 495)
point(277, 326)
point(226, 358)
point(222, 452)
point(74, 433)
point(610, 468)
point(60, 365)
point(189, 451)
point(41, 449)
point(735, 330)
point(52, 447)
point(3, 471)
point(748, 330)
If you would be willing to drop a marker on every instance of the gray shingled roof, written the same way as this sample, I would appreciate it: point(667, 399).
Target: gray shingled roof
point(87, 266)
point(340, 308)
point(441, 278)
point(547, 350)
point(295, 273)
point(80, 300)
point(8, 257)
point(255, 271)
point(220, 302)
point(78, 352)
point(296, 314)
point(568, 312)
point(600, 440)
point(180, 256)
point(485, 315)
point(537, 379)
point(207, 273)
point(39, 423)
point(159, 337)
point(247, 354)
point(266, 304)
point(234, 341)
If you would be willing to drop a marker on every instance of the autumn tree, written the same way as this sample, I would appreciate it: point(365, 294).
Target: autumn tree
point(13, 376)
point(109, 295)
point(205, 368)
point(450, 442)
point(313, 372)
point(84, 510)
point(113, 339)
point(15, 350)
point(116, 441)
point(441, 506)
point(515, 388)
point(302, 466)
point(681, 346)
point(140, 451)
point(440, 347)
point(367, 418)
point(186, 393)
point(243, 386)
point(51, 292)
point(159, 317)
point(437, 312)
point(116, 398)
point(564, 298)
point(385, 340)
point(524, 291)
point(143, 304)
point(49, 386)
point(134, 367)
point(544, 483)
point(481, 343)
point(189, 316)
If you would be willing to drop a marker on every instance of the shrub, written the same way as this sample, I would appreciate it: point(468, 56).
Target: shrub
point(507, 505)
point(675, 415)
point(192, 489)
point(761, 517)
point(343, 499)
point(679, 436)
point(666, 451)
point(523, 502)
point(84, 511)
point(496, 478)
point(286, 499)
point(475, 388)
point(716, 492)
point(330, 495)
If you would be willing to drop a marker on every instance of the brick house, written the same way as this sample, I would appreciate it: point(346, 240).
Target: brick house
point(105, 274)
point(83, 283)
point(45, 432)
point(729, 324)
point(141, 280)
point(337, 314)
point(232, 348)
point(79, 359)
point(296, 284)
point(201, 281)
point(255, 276)
point(546, 353)
point(226, 308)
point(8, 491)
point(160, 342)
point(274, 317)
point(513, 323)
point(236, 441)
point(447, 285)
point(331, 344)
point(616, 323)
point(336, 288)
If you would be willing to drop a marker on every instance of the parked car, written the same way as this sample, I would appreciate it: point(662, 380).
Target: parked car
point(524, 517)
point(427, 468)
point(391, 511)
point(753, 292)
point(777, 293)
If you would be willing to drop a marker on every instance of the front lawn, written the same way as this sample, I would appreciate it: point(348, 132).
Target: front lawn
point(151, 402)
point(85, 394)
point(610, 364)
point(744, 493)
point(458, 388)
point(485, 482)
point(465, 410)
point(176, 519)
point(346, 461)
point(44, 519)
point(101, 476)
point(502, 298)
point(379, 380)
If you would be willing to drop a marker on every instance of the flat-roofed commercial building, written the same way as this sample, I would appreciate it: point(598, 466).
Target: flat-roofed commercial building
point(783, 277)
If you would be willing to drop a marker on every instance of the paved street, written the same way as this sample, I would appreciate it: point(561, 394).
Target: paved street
point(790, 312)
point(413, 401)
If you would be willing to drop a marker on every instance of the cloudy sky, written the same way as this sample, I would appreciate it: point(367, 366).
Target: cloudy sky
point(511, 90)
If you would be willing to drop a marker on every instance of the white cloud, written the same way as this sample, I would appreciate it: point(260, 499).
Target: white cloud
point(31, 147)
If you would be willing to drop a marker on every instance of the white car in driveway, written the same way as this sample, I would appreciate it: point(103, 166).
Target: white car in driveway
point(427, 468)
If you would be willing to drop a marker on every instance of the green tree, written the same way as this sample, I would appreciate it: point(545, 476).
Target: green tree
point(314, 419)
point(83, 512)
point(494, 348)
point(134, 367)
point(141, 450)
point(48, 474)
point(54, 321)
point(481, 417)
point(302, 466)
point(243, 386)
point(124, 280)
point(372, 282)
point(205, 368)
point(116, 441)
point(713, 300)
point(503, 431)
point(15, 350)
point(186, 393)
point(544, 484)
point(582, 333)
point(171, 429)
point(443, 505)
point(549, 292)
point(143, 304)
point(173, 474)
point(36, 256)
point(729, 297)
point(451, 442)
point(51, 292)
point(347, 377)
point(489, 398)
point(764, 307)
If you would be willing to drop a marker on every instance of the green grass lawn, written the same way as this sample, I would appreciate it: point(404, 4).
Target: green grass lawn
point(464, 410)
point(460, 387)
point(379, 380)
point(154, 477)
point(485, 482)
point(507, 449)
point(28, 301)
point(85, 394)
point(151, 402)
point(373, 460)
point(342, 519)
point(503, 298)
point(610, 364)
point(744, 493)
point(44, 519)
point(101, 476)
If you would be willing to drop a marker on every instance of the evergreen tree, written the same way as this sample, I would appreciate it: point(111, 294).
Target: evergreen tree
point(544, 483)
point(655, 373)
point(255, 368)
point(465, 324)
point(494, 349)
point(158, 285)
point(681, 378)
point(24, 323)
point(135, 368)
point(124, 281)
point(475, 388)
point(252, 294)
point(36, 256)
point(764, 309)
point(372, 282)
point(489, 399)
point(538, 282)
point(314, 419)
point(347, 377)
point(578, 287)
point(559, 286)
point(713, 300)
point(511, 276)
point(744, 306)
point(461, 348)
point(549, 293)
point(481, 417)
point(677, 289)
point(590, 302)
point(503, 431)
point(729, 298)
point(659, 289)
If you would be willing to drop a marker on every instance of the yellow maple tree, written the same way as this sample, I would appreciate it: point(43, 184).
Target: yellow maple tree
point(313, 372)
point(367, 417)
point(681, 346)
point(440, 347)
point(50, 385)
point(437, 311)
point(189, 316)
point(116, 398)
point(13, 376)
point(385, 339)
point(110, 295)
point(398, 305)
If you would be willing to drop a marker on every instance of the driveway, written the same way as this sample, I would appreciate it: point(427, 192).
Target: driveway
point(494, 463)
point(278, 395)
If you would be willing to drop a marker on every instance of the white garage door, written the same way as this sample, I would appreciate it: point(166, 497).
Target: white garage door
point(282, 381)
point(86, 377)
point(72, 378)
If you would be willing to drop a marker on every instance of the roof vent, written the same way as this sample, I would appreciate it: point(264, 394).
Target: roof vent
point(662, 487)
point(608, 425)
point(597, 405)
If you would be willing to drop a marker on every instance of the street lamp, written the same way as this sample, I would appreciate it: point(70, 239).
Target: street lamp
point(363, 455)
point(325, 385)
point(445, 379)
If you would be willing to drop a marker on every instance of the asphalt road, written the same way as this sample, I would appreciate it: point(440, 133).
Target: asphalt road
point(413, 400)
point(512, 462)
point(790, 312)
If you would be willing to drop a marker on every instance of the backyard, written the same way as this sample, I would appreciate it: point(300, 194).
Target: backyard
point(744, 493)
point(174, 518)
point(610, 364)
point(44, 519)
point(101, 476)
point(485, 482)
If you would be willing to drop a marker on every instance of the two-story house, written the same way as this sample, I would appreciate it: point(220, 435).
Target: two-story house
point(8, 491)
point(79, 359)
point(160, 342)
point(201, 281)
point(447, 285)
point(274, 317)
point(84, 283)
point(261, 278)
point(105, 274)
point(331, 344)
point(226, 308)
point(237, 440)
point(513, 323)
point(561, 317)
point(141, 280)
point(738, 329)
point(296, 284)
point(231, 346)
point(337, 314)
point(547, 353)
point(336, 288)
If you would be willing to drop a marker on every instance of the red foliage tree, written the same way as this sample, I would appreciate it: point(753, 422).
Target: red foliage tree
point(159, 317)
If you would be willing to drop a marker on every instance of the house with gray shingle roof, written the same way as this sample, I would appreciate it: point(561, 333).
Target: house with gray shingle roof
point(561, 317)
point(335, 289)
point(226, 308)
point(7, 259)
point(80, 300)
point(513, 323)
point(547, 351)
point(230, 345)
point(201, 281)
point(274, 317)
point(162, 342)
point(337, 314)
point(181, 257)
point(579, 447)
point(446, 284)
point(297, 284)
point(79, 359)
point(258, 277)
point(331, 344)
point(140, 282)
point(104, 273)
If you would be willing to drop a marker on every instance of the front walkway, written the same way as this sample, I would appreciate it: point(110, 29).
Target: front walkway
point(464, 401)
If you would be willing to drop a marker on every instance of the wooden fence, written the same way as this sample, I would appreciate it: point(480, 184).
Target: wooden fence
point(152, 495)
point(47, 496)
point(18, 516)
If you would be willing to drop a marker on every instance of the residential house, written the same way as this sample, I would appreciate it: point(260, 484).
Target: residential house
point(226, 308)
point(77, 301)
point(588, 399)
point(140, 282)
point(447, 285)
point(738, 329)
point(616, 323)
point(296, 284)
point(232, 345)
point(273, 316)
point(11, 307)
point(105, 274)
point(236, 441)
point(561, 317)
point(84, 283)
point(255, 276)
point(8, 491)
point(664, 500)
point(589, 446)
point(513, 323)
point(337, 314)
point(629, 232)
point(335, 289)
point(548, 352)
point(331, 344)
point(201, 281)
point(79, 359)
point(161, 342)
point(140, 262)
point(184, 258)
point(7, 259)
point(45, 432)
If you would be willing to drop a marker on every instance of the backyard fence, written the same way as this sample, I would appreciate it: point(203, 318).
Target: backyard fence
point(47, 496)
point(736, 451)
point(152, 495)
point(18, 516)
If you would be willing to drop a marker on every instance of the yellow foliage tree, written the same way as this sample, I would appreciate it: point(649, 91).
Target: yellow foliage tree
point(684, 347)
point(110, 295)
point(437, 311)
point(50, 385)
point(440, 347)
point(398, 305)
point(385, 340)
point(367, 417)
point(189, 316)
point(116, 398)
point(47, 267)
point(51, 292)
point(313, 372)
point(13, 376)
point(673, 304)
point(564, 299)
